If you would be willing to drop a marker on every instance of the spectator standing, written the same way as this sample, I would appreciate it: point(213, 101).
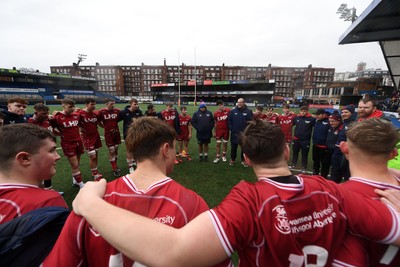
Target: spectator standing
point(285, 121)
point(130, 113)
point(108, 118)
point(88, 121)
point(183, 139)
point(203, 122)
point(221, 130)
point(319, 149)
point(16, 111)
point(304, 124)
point(67, 124)
point(238, 118)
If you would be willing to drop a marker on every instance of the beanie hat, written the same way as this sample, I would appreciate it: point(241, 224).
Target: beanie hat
point(336, 117)
point(350, 108)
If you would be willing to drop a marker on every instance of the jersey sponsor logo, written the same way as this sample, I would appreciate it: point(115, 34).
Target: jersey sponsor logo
point(110, 116)
point(316, 219)
point(70, 124)
point(184, 123)
point(165, 220)
point(286, 121)
point(93, 120)
point(169, 118)
point(222, 118)
point(282, 222)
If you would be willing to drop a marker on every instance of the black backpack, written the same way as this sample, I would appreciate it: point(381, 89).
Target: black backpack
point(28, 239)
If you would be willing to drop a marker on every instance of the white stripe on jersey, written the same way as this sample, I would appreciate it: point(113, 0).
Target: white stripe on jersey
point(378, 185)
point(338, 263)
point(289, 187)
point(221, 233)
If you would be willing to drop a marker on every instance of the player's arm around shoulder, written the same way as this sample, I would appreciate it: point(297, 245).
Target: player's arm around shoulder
point(363, 221)
point(140, 238)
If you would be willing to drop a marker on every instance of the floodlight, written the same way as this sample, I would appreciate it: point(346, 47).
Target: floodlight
point(348, 14)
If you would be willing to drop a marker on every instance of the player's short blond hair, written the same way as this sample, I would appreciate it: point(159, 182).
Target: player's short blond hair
point(373, 136)
point(146, 135)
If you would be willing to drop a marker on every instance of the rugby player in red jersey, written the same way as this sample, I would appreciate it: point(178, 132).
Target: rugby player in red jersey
point(147, 191)
point(280, 220)
point(27, 156)
point(185, 122)
point(171, 116)
point(221, 130)
point(67, 124)
point(108, 117)
point(285, 121)
point(41, 118)
point(271, 116)
point(258, 114)
point(88, 122)
point(370, 144)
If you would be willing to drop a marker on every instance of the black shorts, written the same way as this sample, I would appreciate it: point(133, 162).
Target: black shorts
point(203, 141)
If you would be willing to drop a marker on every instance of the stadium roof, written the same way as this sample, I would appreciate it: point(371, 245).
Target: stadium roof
point(380, 22)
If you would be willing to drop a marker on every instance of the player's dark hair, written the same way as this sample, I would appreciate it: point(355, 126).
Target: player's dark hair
point(17, 100)
point(146, 135)
point(41, 107)
point(373, 136)
point(108, 100)
point(15, 138)
point(263, 142)
point(183, 108)
point(304, 108)
point(68, 101)
point(286, 106)
point(260, 108)
point(150, 106)
point(220, 102)
point(133, 100)
point(169, 104)
point(89, 100)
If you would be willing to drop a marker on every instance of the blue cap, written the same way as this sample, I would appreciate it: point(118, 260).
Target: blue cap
point(202, 106)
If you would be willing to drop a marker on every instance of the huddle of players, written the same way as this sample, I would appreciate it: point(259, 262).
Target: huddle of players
point(322, 132)
point(241, 221)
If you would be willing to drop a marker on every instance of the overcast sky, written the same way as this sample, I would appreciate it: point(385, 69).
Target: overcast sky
point(289, 33)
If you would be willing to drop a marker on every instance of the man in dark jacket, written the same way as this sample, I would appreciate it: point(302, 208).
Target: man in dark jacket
point(203, 122)
point(304, 124)
point(16, 111)
point(127, 115)
point(238, 118)
point(319, 149)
